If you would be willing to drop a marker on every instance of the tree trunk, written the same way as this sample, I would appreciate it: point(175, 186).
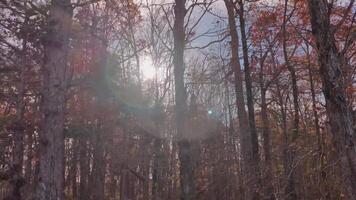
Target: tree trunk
point(186, 162)
point(320, 140)
point(268, 178)
point(51, 180)
point(245, 138)
point(72, 171)
point(331, 66)
point(156, 186)
point(315, 110)
point(83, 168)
point(19, 125)
point(290, 192)
point(28, 163)
point(289, 187)
point(99, 167)
point(291, 69)
point(251, 112)
point(266, 134)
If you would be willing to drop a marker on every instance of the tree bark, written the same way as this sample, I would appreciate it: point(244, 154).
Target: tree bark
point(266, 133)
point(315, 110)
point(331, 67)
point(19, 125)
point(156, 178)
point(248, 82)
point(245, 138)
point(99, 167)
point(186, 162)
point(320, 139)
point(268, 178)
point(291, 69)
point(83, 168)
point(251, 111)
point(290, 192)
point(72, 171)
point(51, 180)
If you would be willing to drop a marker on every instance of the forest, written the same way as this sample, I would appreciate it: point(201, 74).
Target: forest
point(177, 99)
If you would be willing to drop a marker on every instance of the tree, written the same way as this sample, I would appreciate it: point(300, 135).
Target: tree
point(255, 159)
point(332, 64)
point(80, 118)
point(245, 137)
point(290, 152)
point(55, 83)
point(186, 162)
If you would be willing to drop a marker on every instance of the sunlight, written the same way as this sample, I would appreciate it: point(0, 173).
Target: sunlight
point(147, 69)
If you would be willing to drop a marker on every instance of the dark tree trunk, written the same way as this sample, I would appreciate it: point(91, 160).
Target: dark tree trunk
point(320, 139)
point(245, 138)
point(186, 161)
point(291, 69)
point(290, 192)
point(51, 180)
point(28, 163)
point(248, 82)
point(19, 125)
point(251, 111)
point(266, 134)
point(72, 169)
point(289, 187)
point(99, 167)
point(157, 157)
point(332, 64)
point(83, 169)
point(315, 110)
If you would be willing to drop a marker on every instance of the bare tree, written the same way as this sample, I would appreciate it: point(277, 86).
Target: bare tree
point(255, 160)
point(186, 162)
point(332, 65)
point(245, 138)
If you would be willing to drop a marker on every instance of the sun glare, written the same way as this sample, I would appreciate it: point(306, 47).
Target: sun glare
point(147, 69)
